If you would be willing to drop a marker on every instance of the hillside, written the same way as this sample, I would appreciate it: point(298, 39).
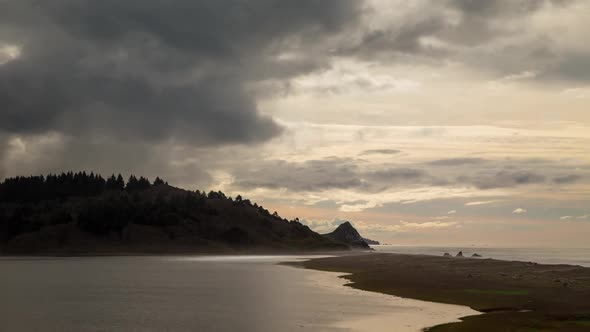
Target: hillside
point(80, 213)
point(346, 233)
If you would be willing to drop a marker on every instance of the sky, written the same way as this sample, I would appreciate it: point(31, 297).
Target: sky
point(452, 122)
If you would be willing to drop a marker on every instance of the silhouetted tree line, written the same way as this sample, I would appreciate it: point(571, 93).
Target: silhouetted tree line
point(104, 206)
point(64, 185)
point(113, 214)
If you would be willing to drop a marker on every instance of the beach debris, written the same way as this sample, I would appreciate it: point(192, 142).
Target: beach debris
point(476, 255)
point(447, 255)
point(459, 254)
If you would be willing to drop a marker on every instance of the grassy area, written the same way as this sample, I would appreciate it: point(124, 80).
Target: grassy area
point(585, 322)
point(582, 323)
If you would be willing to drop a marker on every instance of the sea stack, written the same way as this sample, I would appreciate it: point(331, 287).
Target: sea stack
point(459, 254)
point(347, 234)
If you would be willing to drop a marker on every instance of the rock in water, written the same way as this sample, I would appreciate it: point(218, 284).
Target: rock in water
point(447, 255)
point(476, 255)
point(459, 254)
point(348, 235)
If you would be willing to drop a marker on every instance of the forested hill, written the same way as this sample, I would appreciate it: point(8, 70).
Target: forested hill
point(86, 213)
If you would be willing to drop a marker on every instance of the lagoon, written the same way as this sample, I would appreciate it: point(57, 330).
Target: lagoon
point(200, 293)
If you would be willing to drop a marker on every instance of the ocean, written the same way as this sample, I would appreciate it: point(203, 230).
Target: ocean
point(571, 256)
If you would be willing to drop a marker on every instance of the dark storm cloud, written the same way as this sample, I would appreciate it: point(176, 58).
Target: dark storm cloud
point(482, 21)
point(403, 39)
point(533, 50)
point(156, 70)
point(495, 36)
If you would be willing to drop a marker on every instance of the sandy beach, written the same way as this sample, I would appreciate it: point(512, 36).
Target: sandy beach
point(360, 310)
point(515, 296)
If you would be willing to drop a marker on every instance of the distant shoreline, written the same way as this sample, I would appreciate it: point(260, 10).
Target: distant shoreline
point(254, 252)
point(514, 295)
point(542, 255)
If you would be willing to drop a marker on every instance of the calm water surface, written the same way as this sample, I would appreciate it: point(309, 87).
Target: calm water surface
point(197, 294)
point(571, 256)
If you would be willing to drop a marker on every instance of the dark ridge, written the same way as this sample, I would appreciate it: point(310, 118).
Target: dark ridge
point(347, 234)
point(77, 213)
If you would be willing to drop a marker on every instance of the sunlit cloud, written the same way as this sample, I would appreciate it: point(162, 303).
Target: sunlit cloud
point(579, 93)
point(475, 203)
point(404, 226)
point(519, 211)
point(9, 53)
point(520, 76)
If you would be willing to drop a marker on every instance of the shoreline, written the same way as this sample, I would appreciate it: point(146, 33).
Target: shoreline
point(513, 295)
point(405, 314)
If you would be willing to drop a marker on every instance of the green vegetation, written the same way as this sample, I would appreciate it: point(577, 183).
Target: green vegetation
point(583, 320)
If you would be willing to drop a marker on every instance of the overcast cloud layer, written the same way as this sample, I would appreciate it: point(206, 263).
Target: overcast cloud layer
point(389, 113)
point(156, 70)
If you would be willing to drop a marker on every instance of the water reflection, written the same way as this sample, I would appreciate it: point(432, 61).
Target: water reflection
point(216, 293)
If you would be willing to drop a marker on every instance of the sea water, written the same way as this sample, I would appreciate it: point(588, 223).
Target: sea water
point(570, 256)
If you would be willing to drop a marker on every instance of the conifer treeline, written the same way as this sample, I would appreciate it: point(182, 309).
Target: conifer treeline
point(28, 204)
point(64, 185)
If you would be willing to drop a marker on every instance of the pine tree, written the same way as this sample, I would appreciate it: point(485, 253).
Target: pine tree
point(132, 183)
point(120, 182)
point(158, 182)
point(111, 183)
